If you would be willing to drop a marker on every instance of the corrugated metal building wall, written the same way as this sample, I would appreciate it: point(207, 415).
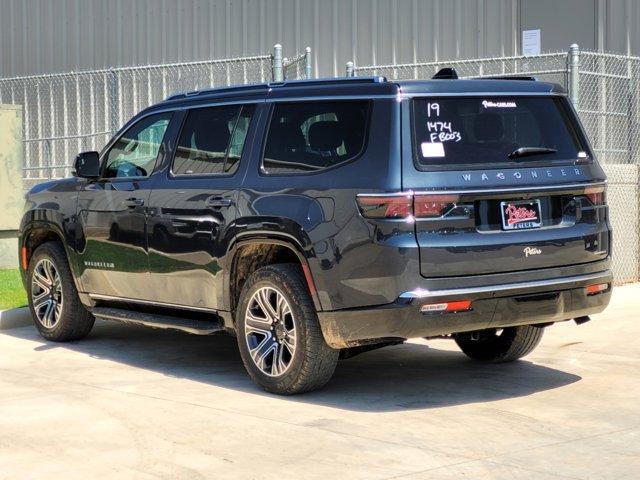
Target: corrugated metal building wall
point(44, 36)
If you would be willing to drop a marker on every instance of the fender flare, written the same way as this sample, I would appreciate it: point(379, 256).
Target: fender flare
point(27, 228)
point(269, 238)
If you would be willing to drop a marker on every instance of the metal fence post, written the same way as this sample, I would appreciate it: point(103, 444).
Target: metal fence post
point(278, 73)
point(113, 103)
point(307, 63)
point(350, 70)
point(574, 72)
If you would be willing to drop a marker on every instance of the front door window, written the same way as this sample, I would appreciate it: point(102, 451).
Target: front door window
point(136, 151)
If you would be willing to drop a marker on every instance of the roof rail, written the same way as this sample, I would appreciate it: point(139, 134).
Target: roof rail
point(328, 81)
point(507, 77)
point(286, 83)
point(235, 88)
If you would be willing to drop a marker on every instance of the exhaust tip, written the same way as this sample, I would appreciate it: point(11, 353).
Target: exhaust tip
point(581, 320)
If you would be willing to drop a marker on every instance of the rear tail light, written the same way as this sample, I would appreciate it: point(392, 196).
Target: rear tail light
point(596, 288)
point(454, 306)
point(596, 195)
point(405, 205)
point(426, 206)
point(386, 206)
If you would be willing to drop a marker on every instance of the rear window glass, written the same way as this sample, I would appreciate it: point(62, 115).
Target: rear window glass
point(307, 137)
point(485, 130)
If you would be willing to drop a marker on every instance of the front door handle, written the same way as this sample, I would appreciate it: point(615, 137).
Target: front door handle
point(218, 202)
point(133, 202)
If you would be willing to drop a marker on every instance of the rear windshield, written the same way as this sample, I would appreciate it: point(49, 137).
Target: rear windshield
point(468, 131)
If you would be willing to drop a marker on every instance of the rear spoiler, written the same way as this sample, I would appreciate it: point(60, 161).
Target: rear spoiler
point(449, 73)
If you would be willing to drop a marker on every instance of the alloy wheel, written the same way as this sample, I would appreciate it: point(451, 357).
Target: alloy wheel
point(270, 331)
point(46, 293)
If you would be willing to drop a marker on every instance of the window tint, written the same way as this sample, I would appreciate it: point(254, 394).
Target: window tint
point(212, 140)
point(485, 130)
point(135, 153)
point(311, 136)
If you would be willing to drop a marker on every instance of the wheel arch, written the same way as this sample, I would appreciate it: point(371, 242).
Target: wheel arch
point(249, 253)
point(36, 233)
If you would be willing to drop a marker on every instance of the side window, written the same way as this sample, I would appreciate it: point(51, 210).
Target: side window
point(311, 136)
point(212, 140)
point(136, 151)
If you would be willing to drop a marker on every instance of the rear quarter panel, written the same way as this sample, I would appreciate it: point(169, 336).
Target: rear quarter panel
point(349, 258)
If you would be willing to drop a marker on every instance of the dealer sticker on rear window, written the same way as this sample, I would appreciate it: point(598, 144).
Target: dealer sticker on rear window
point(432, 149)
point(490, 104)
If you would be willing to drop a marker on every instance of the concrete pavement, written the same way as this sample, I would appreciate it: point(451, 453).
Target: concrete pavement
point(132, 403)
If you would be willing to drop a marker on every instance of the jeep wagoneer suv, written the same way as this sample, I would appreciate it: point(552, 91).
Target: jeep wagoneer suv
point(318, 219)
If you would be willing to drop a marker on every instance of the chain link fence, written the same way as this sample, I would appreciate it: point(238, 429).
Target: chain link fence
point(298, 66)
point(605, 90)
point(549, 67)
point(72, 112)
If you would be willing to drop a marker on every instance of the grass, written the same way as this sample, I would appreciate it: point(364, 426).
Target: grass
point(12, 292)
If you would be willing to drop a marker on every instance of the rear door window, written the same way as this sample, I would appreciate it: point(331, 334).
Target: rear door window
point(307, 137)
point(468, 131)
point(212, 140)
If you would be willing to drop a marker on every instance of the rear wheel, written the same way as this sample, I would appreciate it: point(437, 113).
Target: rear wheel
point(500, 345)
point(53, 298)
point(278, 333)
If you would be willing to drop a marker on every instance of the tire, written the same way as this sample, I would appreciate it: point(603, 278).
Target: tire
point(492, 345)
point(312, 362)
point(70, 320)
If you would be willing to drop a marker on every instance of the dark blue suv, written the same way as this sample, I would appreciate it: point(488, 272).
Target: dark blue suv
point(319, 219)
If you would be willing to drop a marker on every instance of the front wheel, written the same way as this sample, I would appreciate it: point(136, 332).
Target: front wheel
point(53, 298)
point(500, 345)
point(279, 337)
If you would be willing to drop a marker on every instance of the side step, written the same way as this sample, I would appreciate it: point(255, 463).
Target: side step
point(197, 327)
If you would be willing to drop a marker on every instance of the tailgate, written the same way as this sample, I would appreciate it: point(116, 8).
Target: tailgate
point(493, 232)
point(502, 184)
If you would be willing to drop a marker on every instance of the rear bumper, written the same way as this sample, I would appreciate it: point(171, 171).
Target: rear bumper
point(494, 306)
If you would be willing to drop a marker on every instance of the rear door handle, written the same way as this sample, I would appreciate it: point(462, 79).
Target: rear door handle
point(218, 202)
point(133, 202)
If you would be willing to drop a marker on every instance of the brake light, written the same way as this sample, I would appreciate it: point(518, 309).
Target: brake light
point(426, 206)
point(405, 205)
point(386, 206)
point(454, 306)
point(596, 288)
point(596, 195)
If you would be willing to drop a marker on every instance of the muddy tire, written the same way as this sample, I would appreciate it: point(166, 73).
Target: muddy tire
point(278, 333)
point(497, 346)
point(53, 299)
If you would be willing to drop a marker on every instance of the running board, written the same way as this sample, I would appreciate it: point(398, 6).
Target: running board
point(197, 327)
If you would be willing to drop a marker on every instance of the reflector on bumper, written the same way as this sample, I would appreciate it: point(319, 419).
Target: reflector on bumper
point(455, 306)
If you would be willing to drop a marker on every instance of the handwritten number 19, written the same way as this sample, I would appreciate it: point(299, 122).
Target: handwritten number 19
point(433, 107)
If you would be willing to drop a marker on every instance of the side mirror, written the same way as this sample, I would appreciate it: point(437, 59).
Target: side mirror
point(87, 165)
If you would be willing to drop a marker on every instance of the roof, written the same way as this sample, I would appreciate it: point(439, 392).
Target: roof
point(361, 86)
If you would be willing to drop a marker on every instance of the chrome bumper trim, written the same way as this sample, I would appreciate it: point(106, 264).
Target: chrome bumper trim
point(605, 276)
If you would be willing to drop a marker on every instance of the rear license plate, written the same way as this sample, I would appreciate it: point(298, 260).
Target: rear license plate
point(520, 215)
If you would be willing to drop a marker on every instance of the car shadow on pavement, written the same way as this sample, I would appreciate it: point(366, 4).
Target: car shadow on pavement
point(401, 377)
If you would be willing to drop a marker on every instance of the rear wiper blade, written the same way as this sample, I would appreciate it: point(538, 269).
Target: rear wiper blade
point(526, 151)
